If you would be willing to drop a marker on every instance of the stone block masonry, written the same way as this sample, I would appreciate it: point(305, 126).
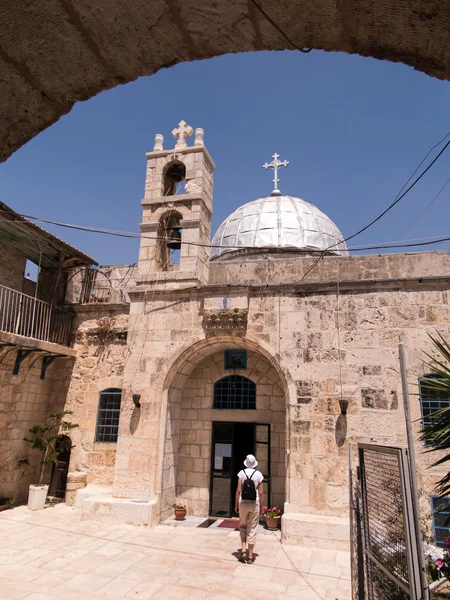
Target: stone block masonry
point(24, 401)
point(101, 356)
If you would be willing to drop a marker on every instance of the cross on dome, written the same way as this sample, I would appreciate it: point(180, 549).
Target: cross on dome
point(184, 130)
point(275, 164)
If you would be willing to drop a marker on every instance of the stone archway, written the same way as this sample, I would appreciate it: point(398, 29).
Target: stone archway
point(53, 54)
point(190, 415)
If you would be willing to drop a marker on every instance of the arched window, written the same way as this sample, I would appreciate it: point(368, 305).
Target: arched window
point(235, 392)
point(170, 234)
point(174, 174)
point(431, 399)
point(108, 416)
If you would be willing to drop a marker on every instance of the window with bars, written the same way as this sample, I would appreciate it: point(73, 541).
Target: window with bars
point(431, 400)
point(235, 392)
point(108, 416)
point(441, 519)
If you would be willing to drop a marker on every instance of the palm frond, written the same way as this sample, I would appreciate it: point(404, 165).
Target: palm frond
point(436, 433)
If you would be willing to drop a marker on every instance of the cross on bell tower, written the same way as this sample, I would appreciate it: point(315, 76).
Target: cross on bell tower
point(275, 164)
point(181, 132)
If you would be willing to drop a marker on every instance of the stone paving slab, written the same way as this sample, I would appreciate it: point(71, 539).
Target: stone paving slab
point(52, 554)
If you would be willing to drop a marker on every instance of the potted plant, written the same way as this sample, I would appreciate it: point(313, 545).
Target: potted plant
point(438, 570)
point(45, 438)
point(5, 502)
point(180, 512)
point(273, 518)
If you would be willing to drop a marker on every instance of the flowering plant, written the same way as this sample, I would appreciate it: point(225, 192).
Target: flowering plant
point(440, 567)
point(272, 512)
point(179, 506)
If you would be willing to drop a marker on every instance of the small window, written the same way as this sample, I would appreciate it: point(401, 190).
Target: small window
point(108, 416)
point(31, 271)
point(431, 400)
point(235, 359)
point(235, 392)
point(441, 519)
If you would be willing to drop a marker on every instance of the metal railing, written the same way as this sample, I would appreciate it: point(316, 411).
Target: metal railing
point(99, 287)
point(33, 318)
point(105, 293)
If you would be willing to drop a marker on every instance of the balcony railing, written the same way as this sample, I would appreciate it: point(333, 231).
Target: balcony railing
point(33, 318)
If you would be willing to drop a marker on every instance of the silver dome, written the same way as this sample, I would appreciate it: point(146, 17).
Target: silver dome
point(278, 222)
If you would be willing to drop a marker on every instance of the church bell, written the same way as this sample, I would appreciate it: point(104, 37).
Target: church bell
point(174, 242)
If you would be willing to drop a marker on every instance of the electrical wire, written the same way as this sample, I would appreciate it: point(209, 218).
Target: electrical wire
point(338, 323)
point(380, 245)
point(422, 161)
point(402, 195)
point(426, 207)
point(278, 28)
point(397, 199)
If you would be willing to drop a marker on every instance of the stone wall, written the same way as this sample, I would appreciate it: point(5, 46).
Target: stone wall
point(301, 332)
point(329, 269)
point(101, 356)
point(159, 330)
point(25, 400)
point(371, 325)
point(12, 267)
point(194, 452)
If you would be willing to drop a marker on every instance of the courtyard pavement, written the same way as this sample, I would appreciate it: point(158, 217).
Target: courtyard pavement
point(53, 554)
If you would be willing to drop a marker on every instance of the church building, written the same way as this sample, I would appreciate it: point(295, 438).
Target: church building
point(271, 339)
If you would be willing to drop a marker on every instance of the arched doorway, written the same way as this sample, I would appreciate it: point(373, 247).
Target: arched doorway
point(216, 415)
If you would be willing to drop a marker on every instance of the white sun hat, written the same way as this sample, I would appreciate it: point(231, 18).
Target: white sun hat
point(250, 462)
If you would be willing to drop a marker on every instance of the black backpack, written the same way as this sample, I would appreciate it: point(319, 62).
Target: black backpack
point(248, 488)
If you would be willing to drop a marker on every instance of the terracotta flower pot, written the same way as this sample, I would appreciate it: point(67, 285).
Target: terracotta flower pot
point(180, 514)
point(273, 523)
point(4, 507)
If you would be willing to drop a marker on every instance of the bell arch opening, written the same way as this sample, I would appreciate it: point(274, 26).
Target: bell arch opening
point(174, 176)
point(169, 242)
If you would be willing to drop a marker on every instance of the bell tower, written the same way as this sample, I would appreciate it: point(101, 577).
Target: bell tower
point(177, 209)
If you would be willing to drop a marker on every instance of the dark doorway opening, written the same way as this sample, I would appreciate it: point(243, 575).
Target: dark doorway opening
point(244, 444)
point(60, 469)
point(231, 442)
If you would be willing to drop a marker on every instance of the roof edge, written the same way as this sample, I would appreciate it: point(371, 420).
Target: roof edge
point(50, 238)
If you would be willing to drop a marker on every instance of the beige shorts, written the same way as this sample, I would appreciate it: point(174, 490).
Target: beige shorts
point(248, 520)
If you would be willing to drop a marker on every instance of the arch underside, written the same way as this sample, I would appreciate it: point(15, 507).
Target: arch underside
point(53, 54)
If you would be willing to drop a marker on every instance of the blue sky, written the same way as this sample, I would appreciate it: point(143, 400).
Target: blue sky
point(352, 128)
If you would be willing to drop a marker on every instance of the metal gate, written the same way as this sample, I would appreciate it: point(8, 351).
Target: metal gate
point(385, 549)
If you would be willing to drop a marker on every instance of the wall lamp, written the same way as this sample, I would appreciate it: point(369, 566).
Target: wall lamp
point(344, 406)
point(136, 400)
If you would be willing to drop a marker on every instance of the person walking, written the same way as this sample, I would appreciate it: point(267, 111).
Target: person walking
point(249, 505)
